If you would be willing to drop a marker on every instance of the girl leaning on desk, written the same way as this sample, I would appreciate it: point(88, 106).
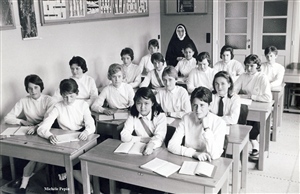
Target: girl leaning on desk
point(71, 114)
point(203, 131)
point(34, 108)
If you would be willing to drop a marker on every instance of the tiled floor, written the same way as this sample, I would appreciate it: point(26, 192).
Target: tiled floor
point(281, 172)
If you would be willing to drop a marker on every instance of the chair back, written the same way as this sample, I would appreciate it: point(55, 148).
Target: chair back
point(243, 115)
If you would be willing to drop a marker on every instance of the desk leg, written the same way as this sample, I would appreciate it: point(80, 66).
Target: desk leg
point(112, 186)
point(244, 165)
point(267, 135)
point(12, 168)
point(70, 177)
point(235, 170)
point(85, 177)
point(281, 106)
point(262, 141)
point(275, 117)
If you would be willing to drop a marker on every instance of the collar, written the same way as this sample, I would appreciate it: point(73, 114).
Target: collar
point(174, 90)
point(147, 116)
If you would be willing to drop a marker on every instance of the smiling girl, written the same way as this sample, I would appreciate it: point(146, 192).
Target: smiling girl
point(147, 121)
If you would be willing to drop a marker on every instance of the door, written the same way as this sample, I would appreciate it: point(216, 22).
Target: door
point(249, 26)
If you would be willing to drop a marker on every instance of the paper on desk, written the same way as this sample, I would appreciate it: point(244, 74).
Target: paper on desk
point(9, 131)
point(22, 130)
point(68, 137)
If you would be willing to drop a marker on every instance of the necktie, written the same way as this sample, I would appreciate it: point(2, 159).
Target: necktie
point(221, 107)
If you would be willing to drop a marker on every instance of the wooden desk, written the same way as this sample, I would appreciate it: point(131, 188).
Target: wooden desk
point(278, 93)
point(35, 148)
point(101, 161)
point(261, 112)
point(238, 138)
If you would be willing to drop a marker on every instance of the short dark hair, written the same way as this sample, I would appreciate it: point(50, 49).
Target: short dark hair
point(170, 71)
point(227, 48)
point(80, 62)
point(202, 56)
point(68, 86)
point(153, 42)
point(253, 59)
point(127, 51)
point(189, 46)
point(146, 93)
point(226, 76)
point(203, 94)
point(34, 79)
point(115, 68)
point(157, 57)
point(271, 49)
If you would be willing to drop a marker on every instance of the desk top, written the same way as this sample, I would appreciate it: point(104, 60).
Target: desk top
point(278, 88)
point(292, 73)
point(103, 154)
point(261, 106)
point(36, 142)
point(238, 133)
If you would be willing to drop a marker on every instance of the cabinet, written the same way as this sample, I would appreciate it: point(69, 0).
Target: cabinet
point(68, 11)
point(186, 6)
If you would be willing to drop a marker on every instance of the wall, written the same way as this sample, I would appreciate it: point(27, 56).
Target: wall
point(197, 27)
point(99, 42)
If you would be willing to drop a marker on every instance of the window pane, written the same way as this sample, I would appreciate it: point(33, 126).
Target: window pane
point(274, 26)
point(236, 9)
point(275, 8)
point(278, 41)
point(236, 26)
point(236, 41)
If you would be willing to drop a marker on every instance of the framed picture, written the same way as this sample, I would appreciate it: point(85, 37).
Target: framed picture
point(69, 11)
point(7, 17)
point(27, 19)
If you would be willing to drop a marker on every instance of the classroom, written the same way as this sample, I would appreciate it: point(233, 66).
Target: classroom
point(100, 42)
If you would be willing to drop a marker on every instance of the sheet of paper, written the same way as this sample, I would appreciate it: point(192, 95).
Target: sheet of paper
point(204, 168)
point(188, 167)
point(124, 148)
point(23, 130)
point(68, 137)
point(137, 148)
point(154, 164)
point(167, 169)
point(9, 131)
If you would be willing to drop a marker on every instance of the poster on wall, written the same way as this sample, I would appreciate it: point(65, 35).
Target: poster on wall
point(6, 14)
point(27, 19)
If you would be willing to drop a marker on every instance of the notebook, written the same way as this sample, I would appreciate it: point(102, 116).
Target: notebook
point(136, 148)
point(117, 115)
point(21, 130)
point(67, 137)
point(198, 168)
point(161, 167)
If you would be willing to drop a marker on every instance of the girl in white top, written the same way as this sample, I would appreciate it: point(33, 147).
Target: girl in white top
point(232, 66)
point(145, 63)
point(173, 99)
point(188, 63)
point(154, 77)
point(87, 87)
point(132, 71)
point(231, 103)
point(273, 70)
point(203, 75)
point(147, 121)
point(256, 86)
point(34, 108)
point(119, 95)
point(71, 114)
point(203, 131)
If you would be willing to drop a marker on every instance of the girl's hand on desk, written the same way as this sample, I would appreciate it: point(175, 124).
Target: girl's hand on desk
point(83, 136)
point(32, 130)
point(202, 156)
point(26, 123)
point(53, 139)
point(107, 112)
point(149, 149)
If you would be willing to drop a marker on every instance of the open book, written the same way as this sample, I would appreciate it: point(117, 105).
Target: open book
point(117, 115)
point(131, 148)
point(21, 130)
point(198, 168)
point(67, 137)
point(161, 167)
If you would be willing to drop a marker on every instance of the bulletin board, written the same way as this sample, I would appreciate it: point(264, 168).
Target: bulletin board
point(68, 11)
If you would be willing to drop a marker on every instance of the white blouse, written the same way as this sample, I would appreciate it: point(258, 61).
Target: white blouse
point(194, 134)
point(146, 63)
point(151, 78)
point(69, 117)
point(33, 110)
point(158, 127)
point(176, 102)
point(275, 73)
point(233, 67)
point(199, 78)
point(133, 75)
point(185, 66)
